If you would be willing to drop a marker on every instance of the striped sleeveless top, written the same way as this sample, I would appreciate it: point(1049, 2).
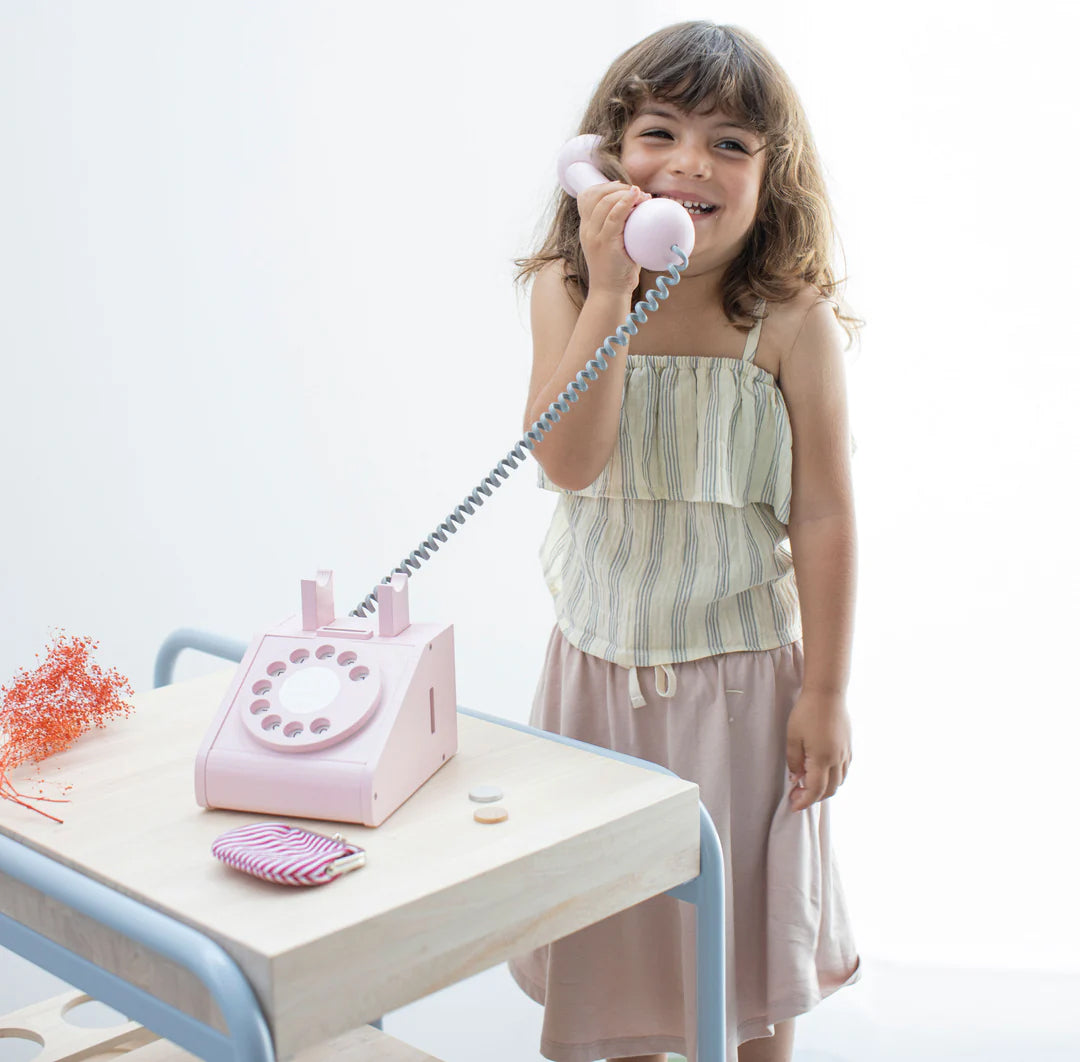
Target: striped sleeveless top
point(676, 551)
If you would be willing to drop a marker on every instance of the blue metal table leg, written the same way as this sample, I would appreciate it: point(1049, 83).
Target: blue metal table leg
point(249, 1037)
point(189, 638)
point(706, 892)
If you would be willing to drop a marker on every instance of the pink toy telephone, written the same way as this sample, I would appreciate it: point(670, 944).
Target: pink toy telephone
point(334, 718)
point(339, 718)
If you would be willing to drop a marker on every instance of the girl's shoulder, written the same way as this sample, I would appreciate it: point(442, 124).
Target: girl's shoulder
point(782, 324)
point(793, 310)
point(555, 279)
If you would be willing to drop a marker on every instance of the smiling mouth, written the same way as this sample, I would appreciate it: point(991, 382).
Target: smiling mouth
point(694, 209)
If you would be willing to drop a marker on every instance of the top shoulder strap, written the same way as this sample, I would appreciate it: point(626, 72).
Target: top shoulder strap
point(752, 339)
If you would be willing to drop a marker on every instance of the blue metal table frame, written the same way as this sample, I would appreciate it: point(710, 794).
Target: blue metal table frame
point(249, 1037)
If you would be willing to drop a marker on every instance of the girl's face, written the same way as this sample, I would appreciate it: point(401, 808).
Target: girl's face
point(698, 158)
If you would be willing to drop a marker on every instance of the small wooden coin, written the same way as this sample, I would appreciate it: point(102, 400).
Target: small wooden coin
point(496, 813)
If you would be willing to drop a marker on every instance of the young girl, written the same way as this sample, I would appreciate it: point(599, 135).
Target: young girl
point(719, 434)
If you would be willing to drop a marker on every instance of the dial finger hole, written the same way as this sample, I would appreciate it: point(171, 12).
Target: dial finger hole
point(299, 656)
point(320, 726)
point(293, 729)
point(359, 672)
point(346, 658)
point(271, 722)
point(258, 707)
point(261, 687)
point(276, 668)
point(324, 652)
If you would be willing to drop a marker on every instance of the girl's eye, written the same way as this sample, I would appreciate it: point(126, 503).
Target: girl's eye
point(664, 132)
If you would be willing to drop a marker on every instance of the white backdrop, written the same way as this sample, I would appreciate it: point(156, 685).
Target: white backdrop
point(258, 319)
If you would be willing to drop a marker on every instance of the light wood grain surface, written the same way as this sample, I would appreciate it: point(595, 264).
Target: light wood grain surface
point(442, 897)
point(49, 1024)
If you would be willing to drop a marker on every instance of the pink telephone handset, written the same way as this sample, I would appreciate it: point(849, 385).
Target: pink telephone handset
point(344, 718)
point(651, 228)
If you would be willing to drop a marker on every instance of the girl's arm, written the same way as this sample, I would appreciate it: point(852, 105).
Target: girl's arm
point(565, 338)
point(578, 447)
point(822, 520)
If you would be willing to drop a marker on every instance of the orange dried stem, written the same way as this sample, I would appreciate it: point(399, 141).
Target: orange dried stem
point(46, 710)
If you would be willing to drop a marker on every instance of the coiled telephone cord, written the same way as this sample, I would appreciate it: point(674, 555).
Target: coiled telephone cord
point(536, 433)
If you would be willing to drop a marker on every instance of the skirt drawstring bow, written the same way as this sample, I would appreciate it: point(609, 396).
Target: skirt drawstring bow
point(667, 690)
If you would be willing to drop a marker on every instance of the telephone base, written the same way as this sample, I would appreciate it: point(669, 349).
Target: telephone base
point(339, 722)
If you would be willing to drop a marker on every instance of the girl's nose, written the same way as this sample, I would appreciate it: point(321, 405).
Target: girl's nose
point(690, 160)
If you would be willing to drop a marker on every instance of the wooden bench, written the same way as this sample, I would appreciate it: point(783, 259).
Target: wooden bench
point(46, 1024)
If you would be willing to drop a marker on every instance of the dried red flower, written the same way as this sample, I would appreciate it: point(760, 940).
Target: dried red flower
point(46, 710)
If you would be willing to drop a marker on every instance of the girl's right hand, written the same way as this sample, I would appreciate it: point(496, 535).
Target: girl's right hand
point(604, 209)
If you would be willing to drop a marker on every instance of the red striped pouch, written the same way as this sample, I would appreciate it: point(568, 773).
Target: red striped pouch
point(275, 851)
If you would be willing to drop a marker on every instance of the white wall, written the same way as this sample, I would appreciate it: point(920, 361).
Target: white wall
point(255, 266)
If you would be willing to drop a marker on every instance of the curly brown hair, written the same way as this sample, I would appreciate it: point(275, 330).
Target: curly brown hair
point(702, 64)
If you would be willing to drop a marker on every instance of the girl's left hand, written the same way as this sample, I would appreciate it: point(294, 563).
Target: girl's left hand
point(818, 747)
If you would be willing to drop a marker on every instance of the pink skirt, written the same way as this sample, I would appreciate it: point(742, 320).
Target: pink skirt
point(627, 985)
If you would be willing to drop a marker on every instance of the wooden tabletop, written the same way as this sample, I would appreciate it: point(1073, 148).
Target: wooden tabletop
point(441, 898)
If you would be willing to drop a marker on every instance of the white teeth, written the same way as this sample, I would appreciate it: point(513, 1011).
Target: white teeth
point(693, 208)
